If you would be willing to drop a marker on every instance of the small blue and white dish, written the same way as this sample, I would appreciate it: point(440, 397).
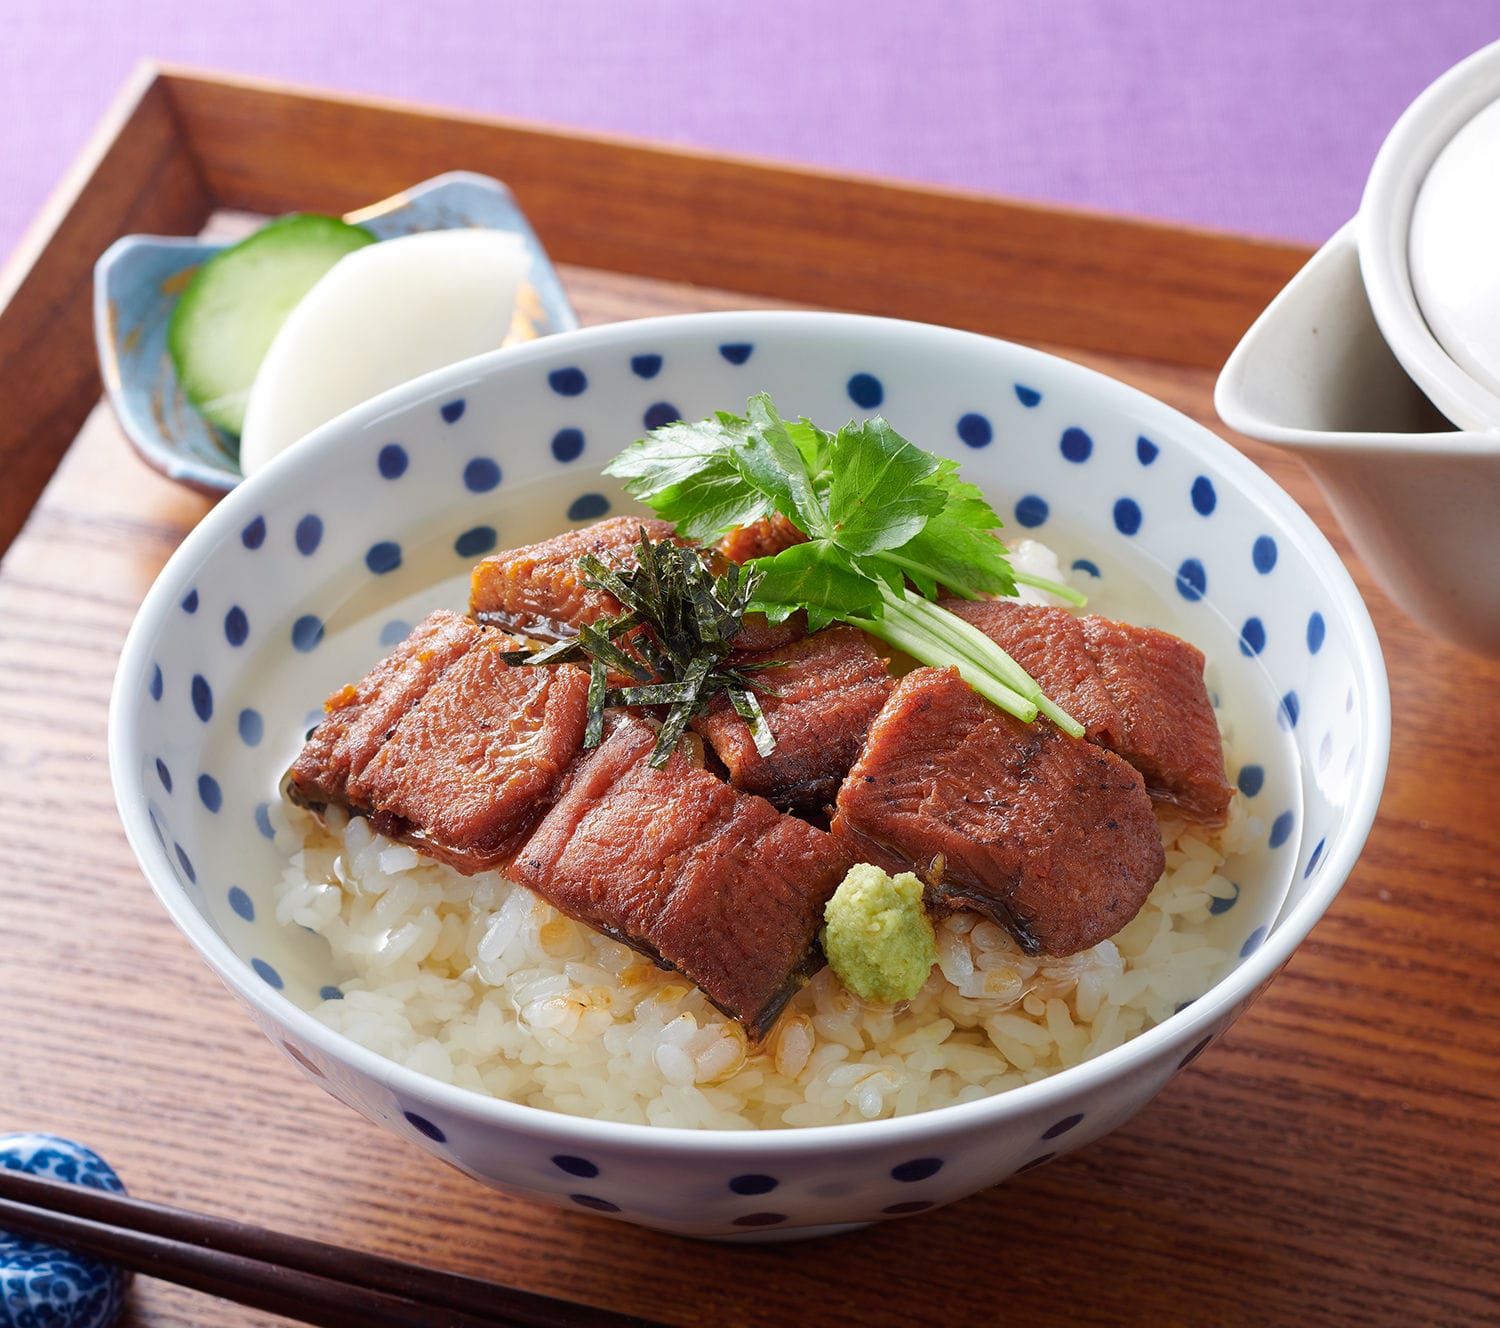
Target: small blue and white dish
point(307, 574)
point(138, 279)
point(49, 1286)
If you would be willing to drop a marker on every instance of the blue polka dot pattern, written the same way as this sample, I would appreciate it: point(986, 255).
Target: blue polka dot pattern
point(1028, 396)
point(308, 535)
point(394, 632)
point(476, 541)
point(163, 774)
point(1317, 633)
point(252, 727)
point(43, 1285)
point(1127, 516)
point(975, 430)
point(1204, 497)
point(1289, 711)
point(267, 974)
point(1076, 445)
point(481, 475)
point(424, 1126)
point(575, 1166)
point(330, 993)
point(1263, 554)
point(203, 698)
point(645, 366)
point(567, 444)
point(254, 535)
point(236, 626)
point(753, 1184)
point(1031, 511)
point(263, 820)
point(1088, 566)
point(593, 1201)
point(307, 632)
point(1252, 637)
point(1063, 1126)
point(865, 390)
point(186, 863)
point(1146, 451)
point(1251, 780)
point(392, 461)
point(588, 507)
point(1192, 580)
point(736, 352)
point(1314, 858)
point(452, 411)
point(910, 1206)
point(569, 382)
point(157, 684)
point(1281, 829)
point(241, 903)
point(917, 1169)
point(759, 1219)
point(1252, 942)
point(209, 793)
point(383, 557)
point(1222, 904)
point(660, 414)
point(190, 602)
point(1035, 1163)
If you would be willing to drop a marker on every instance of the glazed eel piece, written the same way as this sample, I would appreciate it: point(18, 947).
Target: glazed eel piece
point(478, 763)
point(700, 877)
point(1136, 690)
point(445, 746)
point(1052, 837)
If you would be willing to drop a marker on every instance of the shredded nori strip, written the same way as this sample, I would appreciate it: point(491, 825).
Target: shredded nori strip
point(679, 623)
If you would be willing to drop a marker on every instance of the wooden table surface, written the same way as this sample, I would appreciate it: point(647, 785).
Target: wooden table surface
point(1334, 1159)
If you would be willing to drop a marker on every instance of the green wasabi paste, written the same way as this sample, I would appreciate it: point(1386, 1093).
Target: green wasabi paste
point(877, 936)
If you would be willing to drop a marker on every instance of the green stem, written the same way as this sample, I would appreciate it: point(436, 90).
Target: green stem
point(924, 618)
point(1074, 597)
point(922, 569)
point(919, 645)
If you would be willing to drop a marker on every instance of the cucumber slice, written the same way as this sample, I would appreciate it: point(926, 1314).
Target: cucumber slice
point(237, 301)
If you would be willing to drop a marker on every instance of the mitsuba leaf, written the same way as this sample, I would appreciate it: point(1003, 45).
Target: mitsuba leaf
point(816, 576)
point(772, 461)
point(686, 473)
point(877, 497)
point(814, 445)
point(957, 549)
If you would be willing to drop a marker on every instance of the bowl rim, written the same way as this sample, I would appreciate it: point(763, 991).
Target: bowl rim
point(1197, 1020)
point(1384, 223)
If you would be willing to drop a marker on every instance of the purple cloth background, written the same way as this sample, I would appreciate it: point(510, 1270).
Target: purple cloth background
point(1256, 117)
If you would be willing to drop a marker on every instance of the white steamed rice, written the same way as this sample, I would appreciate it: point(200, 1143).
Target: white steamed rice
point(479, 983)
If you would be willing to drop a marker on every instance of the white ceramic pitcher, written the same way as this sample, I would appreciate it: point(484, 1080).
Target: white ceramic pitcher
point(1317, 374)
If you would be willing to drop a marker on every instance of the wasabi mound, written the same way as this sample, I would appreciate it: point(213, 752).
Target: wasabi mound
point(877, 935)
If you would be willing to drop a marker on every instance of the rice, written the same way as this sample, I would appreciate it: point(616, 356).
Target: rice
point(478, 983)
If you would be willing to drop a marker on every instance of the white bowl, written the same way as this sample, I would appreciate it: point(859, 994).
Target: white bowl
point(1384, 232)
point(302, 576)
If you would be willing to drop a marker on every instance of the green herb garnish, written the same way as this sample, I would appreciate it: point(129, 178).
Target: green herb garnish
point(888, 525)
point(679, 624)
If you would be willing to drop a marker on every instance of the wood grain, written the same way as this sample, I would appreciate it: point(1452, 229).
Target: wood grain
point(941, 256)
point(1334, 1160)
point(135, 174)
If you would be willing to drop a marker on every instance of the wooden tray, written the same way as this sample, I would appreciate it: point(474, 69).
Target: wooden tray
point(1335, 1159)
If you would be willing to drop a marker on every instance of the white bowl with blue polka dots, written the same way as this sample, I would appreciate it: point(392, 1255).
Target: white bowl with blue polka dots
point(308, 572)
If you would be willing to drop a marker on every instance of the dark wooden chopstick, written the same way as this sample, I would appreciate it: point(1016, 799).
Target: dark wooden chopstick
point(300, 1279)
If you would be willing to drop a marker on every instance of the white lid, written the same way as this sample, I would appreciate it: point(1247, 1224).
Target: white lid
point(1429, 241)
point(1454, 247)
